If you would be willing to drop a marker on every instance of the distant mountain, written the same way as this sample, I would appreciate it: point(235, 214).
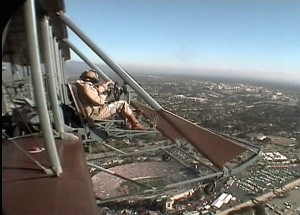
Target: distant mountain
point(77, 67)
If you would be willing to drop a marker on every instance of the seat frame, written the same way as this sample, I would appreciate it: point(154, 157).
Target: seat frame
point(95, 130)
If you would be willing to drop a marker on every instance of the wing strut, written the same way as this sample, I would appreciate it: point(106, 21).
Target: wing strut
point(214, 147)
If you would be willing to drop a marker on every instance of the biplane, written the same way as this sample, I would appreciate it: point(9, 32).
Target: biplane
point(45, 131)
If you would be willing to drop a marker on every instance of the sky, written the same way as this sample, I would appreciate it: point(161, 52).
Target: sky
point(249, 38)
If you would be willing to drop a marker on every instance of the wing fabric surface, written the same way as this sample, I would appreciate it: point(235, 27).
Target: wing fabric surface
point(214, 147)
point(162, 124)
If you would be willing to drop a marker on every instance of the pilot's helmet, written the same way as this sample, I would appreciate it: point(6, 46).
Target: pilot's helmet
point(90, 75)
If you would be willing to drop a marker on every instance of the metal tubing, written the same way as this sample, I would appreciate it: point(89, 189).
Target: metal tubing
point(37, 80)
point(88, 62)
point(47, 36)
point(4, 100)
point(65, 96)
point(113, 65)
point(4, 34)
point(56, 65)
point(195, 180)
point(118, 175)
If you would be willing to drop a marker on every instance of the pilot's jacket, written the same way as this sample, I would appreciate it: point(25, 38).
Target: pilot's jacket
point(93, 99)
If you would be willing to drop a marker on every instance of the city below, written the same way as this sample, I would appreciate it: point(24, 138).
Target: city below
point(261, 115)
point(265, 116)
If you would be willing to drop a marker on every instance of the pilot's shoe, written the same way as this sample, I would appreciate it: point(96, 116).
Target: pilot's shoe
point(127, 126)
point(124, 116)
point(135, 125)
point(138, 126)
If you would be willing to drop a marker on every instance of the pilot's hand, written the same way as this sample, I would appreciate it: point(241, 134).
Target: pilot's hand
point(106, 84)
point(109, 82)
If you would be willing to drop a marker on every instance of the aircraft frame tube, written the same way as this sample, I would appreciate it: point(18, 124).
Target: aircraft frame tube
point(88, 62)
point(57, 66)
point(113, 65)
point(4, 34)
point(37, 80)
point(50, 75)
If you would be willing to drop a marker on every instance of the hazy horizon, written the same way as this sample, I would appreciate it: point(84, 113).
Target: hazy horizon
point(244, 38)
point(229, 74)
point(77, 67)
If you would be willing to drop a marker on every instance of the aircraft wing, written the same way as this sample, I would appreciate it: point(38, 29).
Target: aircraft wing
point(214, 147)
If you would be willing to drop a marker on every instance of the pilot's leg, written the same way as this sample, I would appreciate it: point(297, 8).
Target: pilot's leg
point(101, 113)
point(126, 112)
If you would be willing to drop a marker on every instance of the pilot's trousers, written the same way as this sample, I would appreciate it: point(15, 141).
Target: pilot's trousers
point(107, 111)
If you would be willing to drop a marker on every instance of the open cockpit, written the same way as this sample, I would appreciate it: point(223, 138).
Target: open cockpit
point(41, 108)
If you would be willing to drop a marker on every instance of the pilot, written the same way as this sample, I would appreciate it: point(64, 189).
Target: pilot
point(93, 98)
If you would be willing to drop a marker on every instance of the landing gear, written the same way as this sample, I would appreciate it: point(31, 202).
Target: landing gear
point(210, 188)
point(166, 157)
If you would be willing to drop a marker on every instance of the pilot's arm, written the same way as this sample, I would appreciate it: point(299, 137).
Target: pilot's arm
point(103, 87)
point(93, 94)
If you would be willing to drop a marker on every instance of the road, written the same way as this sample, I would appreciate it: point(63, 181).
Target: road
point(263, 198)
